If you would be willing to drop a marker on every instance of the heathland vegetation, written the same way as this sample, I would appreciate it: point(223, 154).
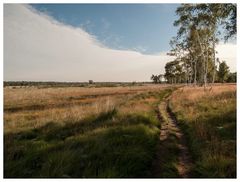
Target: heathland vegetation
point(59, 129)
point(114, 132)
point(81, 132)
point(208, 119)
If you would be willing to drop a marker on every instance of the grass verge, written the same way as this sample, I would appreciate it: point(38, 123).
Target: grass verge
point(209, 122)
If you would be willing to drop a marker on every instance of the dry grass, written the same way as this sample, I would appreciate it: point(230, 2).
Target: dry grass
point(187, 98)
point(138, 105)
point(209, 120)
point(80, 132)
point(28, 96)
point(27, 108)
point(196, 93)
point(27, 119)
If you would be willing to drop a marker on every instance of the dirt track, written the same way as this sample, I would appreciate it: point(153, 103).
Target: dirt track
point(171, 134)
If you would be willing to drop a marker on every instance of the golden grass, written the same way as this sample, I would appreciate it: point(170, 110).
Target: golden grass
point(27, 96)
point(15, 121)
point(27, 108)
point(186, 98)
point(81, 132)
point(209, 119)
point(195, 93)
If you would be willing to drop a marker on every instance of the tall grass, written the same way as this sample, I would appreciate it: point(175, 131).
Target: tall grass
point(106, 146)
point(27, 108)
point(107, 142)
point(209, 120)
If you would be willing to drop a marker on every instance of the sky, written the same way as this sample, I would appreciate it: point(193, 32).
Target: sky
point(81, 42)
point(120, 26)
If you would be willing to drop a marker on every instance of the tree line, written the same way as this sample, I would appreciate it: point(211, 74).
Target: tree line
point(194, 46)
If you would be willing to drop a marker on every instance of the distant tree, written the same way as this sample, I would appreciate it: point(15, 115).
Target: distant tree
point(90, 81)
point(223, 71)
point(157, 78)
point(174, 72)
point(154, 78)
point(232, 77)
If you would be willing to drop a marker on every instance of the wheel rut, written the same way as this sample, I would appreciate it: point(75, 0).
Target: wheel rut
point(171, 135)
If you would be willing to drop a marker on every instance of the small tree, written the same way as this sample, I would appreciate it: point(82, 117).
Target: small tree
point(157, 78)
point(232, 78)
point(154, 78)
point(223, 71)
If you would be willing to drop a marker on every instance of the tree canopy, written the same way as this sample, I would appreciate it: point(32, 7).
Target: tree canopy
point(194, 46)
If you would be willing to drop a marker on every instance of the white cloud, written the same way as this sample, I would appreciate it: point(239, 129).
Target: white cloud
point(36, 47)
point(228, 53)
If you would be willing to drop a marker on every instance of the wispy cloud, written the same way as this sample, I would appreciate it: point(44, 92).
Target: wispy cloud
point(140, 48)
point(106, 24)
point(36, 47)
point(87, 25)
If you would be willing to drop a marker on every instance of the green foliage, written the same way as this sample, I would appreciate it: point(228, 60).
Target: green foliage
point(223, 71)
point(197, 36)
point(157, 78)
point(174, 72)
point(232, 77)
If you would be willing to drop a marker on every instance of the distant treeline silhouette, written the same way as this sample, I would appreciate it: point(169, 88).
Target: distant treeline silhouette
point(68, 84)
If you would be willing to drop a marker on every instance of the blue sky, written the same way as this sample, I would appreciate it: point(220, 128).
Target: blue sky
point(136, 39)
point(146, 28)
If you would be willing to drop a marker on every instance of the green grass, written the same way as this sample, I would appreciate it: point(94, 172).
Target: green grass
point(122, 149)
point(110, 144)
point(169, 159)
point(211, 134)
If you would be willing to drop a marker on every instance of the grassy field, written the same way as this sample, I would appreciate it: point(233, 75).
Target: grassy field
point(208, 118)
point(114, 131)
point(81, 132)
